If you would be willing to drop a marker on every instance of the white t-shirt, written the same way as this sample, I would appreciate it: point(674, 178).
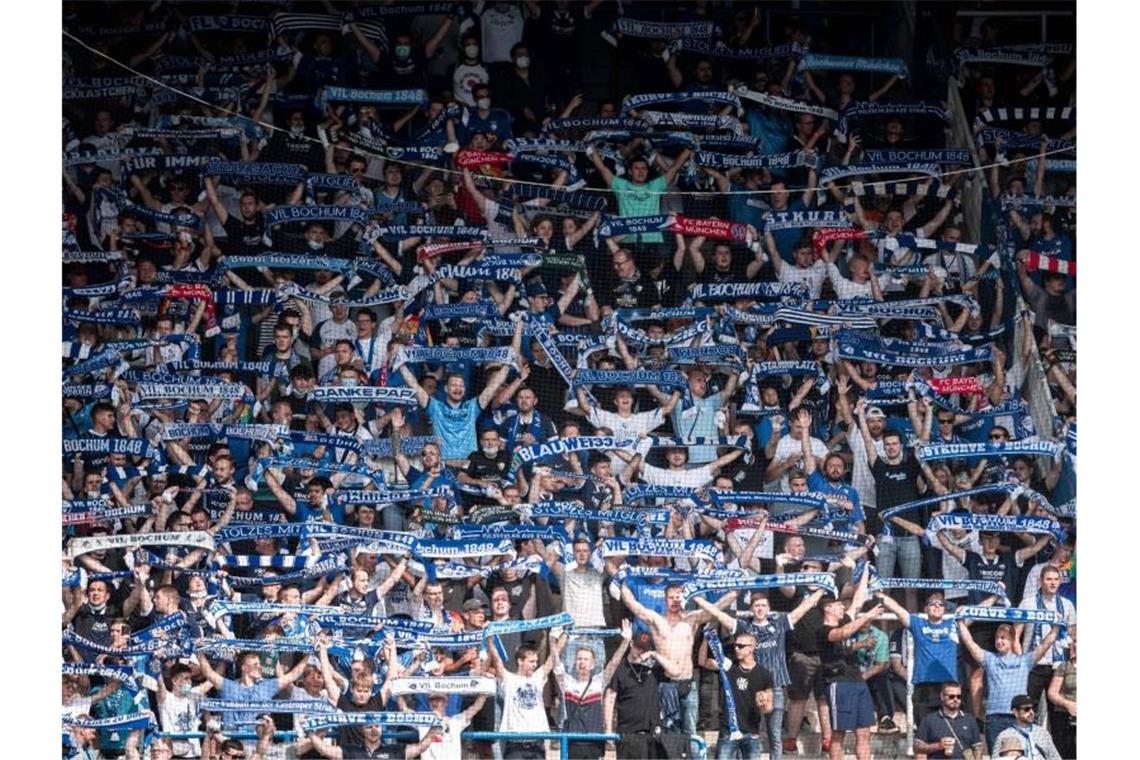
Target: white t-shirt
point(500, 31)
point(632, 426)
point(788, 446)
point(523, 710)
point(449, 745)
point(696, 477)
point(812, 277)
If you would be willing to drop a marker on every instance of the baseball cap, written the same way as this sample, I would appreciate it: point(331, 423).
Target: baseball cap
point(1022, 700)
point(473, 604)
point(874, 411)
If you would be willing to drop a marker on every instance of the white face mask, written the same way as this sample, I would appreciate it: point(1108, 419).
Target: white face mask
point(490, 451)
point(471, 51)
point(523, 62)
point(184, 690)
point(348, 381)
point(315, 245)
point(296, 131)
point(483, 103)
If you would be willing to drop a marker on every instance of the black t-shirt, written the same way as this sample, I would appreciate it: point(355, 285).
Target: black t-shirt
point(838, 662)
point(244, 237)
point(1003, 569)
point(895, 484)
point(746, 684)
point(631, 294)
point(804, 638)
point(482, 467)
point(636, 703)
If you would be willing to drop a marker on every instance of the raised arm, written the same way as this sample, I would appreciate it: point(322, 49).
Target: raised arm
point(607, 175)
point(895, 607)
point(967, 639)
point(213, 676)
point(643, 613)
point(675, 167)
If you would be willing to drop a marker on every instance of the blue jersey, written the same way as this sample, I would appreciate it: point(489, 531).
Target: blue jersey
point(769, 636)
point(935, 649)
point(820, 484)
point(455, 425)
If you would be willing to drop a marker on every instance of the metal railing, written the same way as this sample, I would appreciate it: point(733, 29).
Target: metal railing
point(564, 740)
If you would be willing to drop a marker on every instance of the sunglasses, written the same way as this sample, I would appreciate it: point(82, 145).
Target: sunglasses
point(952, 696)
point(742, 646)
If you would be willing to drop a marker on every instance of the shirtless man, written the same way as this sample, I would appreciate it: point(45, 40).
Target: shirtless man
point(673, 639)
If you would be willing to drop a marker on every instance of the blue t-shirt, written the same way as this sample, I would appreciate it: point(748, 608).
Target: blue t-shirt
point(745, 208)
point(698, 420)
point(261, 691)
point(935, 649)
point(455, 425)
point(1006, 677)
point(819, 483)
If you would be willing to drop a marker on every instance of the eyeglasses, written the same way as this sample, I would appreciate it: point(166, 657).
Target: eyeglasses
point(1029, 708)
point(742, 646)
point(936, 603)
point(945, 422)
point(952, 696)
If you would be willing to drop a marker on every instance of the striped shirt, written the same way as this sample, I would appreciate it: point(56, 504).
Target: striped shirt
point(770, 645)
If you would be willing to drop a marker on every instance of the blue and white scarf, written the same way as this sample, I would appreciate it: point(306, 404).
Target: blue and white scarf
point(863, 108)
point(997, 523)
point(943, 156)
point(966, 56)
point(257, 172)
point(718, 49)
point(699, 585)
point(990, 588)
point(821, 62)
point(638, 102)
point(572, 510)
point(771, 161)
point(610, 123)
point(624, 26)
point(377, 98)
point(198, 539)
point(934, 452)
point(1009, 614)
point(726, 355)
point(323, 722)
point(1008, 488)
point(806, 219)
point(365, 393)
point(253, 481)
point(666, 379)
point(691, 548)
point(781, 103)
point(723, 666)
point(691, 121)
point(837, 173)
point(287, 214)
point(640, 492)
point(135, 447)
point(732, 291)
point(421, 355)
point(891, 351)
point(466, 685)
